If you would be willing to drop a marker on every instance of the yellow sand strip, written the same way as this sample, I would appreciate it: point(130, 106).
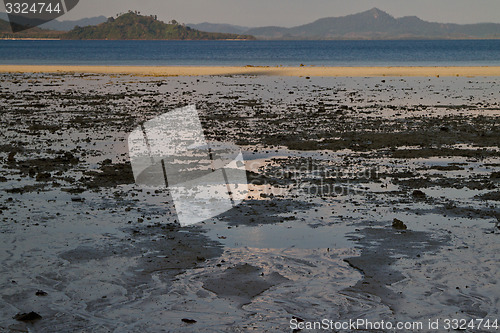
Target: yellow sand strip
point(258, 70)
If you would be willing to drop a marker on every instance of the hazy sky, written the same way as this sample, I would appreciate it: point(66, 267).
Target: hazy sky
point(289, 12)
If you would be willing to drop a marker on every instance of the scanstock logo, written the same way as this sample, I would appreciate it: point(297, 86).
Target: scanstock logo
point(203, 179)
point(26, 14)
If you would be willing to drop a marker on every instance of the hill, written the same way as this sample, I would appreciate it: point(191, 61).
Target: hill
point(377, 24)
point(134, 26)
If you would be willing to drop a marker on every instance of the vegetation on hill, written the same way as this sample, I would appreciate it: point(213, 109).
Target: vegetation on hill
point(134, 26)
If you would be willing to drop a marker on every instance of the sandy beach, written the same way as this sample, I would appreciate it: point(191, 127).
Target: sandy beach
point(467, 71)
point(373, 198)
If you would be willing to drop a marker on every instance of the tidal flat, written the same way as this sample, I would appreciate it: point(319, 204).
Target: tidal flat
point(370, 197)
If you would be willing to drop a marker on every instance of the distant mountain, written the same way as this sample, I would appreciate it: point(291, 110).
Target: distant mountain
point(377, 24)
point(219, 27)
point(134, 26)
point(66, 25)
point(6, 32)
point(371, 24)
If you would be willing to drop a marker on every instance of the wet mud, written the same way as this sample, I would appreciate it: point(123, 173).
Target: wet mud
point(369, 198)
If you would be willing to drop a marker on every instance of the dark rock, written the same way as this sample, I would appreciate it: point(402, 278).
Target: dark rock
point(188, 321)
point(43, 176)
point(11, 158)
point(398, 224)
point(418, 194)
point(32, 316)
point(77, 199)
point(73, 190)
point(32, 172)
point(41, 293)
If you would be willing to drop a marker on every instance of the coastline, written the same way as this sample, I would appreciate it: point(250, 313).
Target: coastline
point(424, 71)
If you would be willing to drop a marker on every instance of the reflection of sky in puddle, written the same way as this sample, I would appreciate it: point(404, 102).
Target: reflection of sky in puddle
point(453, 193)
point(283, 235)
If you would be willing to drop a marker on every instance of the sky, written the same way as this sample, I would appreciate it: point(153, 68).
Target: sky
point(289, 13)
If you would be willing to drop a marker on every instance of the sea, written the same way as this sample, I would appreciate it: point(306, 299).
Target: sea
point(255, 53)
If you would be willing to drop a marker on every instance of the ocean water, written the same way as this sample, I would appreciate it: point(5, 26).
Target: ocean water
point(257, 53)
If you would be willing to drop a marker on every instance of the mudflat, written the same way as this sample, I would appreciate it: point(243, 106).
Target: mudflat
point(371, 198)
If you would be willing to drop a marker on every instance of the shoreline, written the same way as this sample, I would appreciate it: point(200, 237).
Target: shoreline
point(370, 71)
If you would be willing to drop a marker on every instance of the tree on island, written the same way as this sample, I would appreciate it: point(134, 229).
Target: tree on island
point(132, 25)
